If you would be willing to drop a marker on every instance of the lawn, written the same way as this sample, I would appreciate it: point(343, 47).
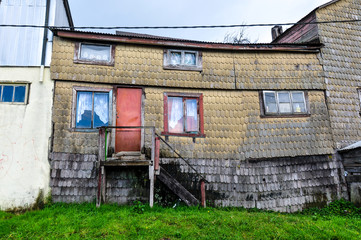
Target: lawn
point(85, 221)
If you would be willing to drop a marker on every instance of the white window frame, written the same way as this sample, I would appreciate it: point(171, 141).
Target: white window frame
point(94, 90)
point(182, 66)
point(292, 112)
point(26, 85)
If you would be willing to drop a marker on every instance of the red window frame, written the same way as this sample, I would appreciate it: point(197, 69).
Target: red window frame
point(185, 96)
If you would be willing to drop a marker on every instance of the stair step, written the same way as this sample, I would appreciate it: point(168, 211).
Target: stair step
point(177, 188)
point(119, 154)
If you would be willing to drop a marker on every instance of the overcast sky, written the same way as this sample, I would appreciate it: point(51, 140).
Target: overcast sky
point(192, 12)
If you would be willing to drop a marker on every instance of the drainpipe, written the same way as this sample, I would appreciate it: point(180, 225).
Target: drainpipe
point(45, 39)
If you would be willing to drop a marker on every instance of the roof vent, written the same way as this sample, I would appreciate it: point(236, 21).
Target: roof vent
point(276, 31)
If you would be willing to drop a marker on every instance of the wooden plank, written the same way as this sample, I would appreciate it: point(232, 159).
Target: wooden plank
point(117, 163)
point(177, 188)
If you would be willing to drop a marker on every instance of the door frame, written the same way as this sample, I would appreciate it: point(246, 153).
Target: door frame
point(142, 102)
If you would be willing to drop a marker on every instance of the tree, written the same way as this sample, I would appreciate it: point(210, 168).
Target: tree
point(238, 37)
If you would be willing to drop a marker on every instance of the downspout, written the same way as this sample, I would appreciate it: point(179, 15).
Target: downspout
point(45, 39)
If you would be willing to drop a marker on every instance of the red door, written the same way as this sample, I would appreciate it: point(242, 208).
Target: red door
point(128, 114)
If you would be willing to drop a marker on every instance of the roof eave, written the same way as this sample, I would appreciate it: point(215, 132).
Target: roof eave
point(189, 44)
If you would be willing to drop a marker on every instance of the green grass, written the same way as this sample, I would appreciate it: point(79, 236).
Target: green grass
point(85, 221)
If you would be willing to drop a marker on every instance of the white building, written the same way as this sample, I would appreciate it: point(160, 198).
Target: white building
point(26, 98)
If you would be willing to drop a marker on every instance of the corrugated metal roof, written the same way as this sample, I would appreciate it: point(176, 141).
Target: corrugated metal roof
point(136, 38)
point(352, 146)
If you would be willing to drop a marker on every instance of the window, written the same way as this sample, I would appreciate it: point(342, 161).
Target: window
point(284, 102)
point(183, 114)
point(90, 53)
point(91, 108)
point(13, 93)
point(183, 60)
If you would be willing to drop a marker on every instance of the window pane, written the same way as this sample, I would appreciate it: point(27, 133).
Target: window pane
point(19, 94)
point(284, 97)
point(8, 92)
point(175, 114)
point(285, 107)
point(175, 58)
point(84, 110)
point(190, 59)
point(297, 97)
point(192, 116)
point(270, 97)
point(101, 109)
point(95, 52)
point(299, 107)
point(1, 90)
point(270, 102)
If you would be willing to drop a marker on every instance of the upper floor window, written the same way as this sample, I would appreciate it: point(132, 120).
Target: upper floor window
point(183, 114)
point(91, 108)
point(182, 60)
point(13, 93)
point(284, 102)
point(89, 53)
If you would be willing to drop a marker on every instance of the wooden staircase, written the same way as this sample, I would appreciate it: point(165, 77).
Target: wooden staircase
point(177, 188)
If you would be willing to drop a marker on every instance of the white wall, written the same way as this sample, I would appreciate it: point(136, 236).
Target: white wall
point(25, 131)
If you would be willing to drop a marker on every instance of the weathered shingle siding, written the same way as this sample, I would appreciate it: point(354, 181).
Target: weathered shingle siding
point(232, 123)
point(341, 59)
point(143, 65)
point(281, 184)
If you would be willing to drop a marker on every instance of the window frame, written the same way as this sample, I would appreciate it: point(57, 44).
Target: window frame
point(291, 114)
point(15, 84)
point(77, 54)
point(184, 96)
point(167, 60)
point(77, 89)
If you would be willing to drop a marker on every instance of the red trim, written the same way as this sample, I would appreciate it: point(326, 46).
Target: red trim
point(165, 113)
point(184, 96)
point(201, 119)
point(156, 156)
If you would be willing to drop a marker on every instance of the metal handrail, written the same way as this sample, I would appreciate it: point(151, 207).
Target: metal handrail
point(164, 141)
point(195, 170)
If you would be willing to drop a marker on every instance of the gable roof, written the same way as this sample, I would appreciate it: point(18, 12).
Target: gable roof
point(303, 20)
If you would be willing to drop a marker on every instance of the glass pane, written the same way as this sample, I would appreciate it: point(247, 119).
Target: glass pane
point(175, 114)
point(19, 94)
point(270, 102)
point(101, 109)
point(95, 52)
point(8, 92)
point(270, 97)
point(192, 116)
point(175, 58)
point(299, 107)
point(84, 110)
point(285, 107)
point(1, 90)
point(284, 97)
point(297, 97)
point(190, 59)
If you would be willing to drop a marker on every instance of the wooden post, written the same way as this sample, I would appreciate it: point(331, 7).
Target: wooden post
point(156, 158)
point(151, 171)
point(203, 193)
point(101, 156)
point(104, 183)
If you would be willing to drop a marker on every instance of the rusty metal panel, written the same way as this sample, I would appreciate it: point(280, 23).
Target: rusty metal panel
point(128, 114)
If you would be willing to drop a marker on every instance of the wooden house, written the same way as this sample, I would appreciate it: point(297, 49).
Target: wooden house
point(250, 121)
point(340, 58)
